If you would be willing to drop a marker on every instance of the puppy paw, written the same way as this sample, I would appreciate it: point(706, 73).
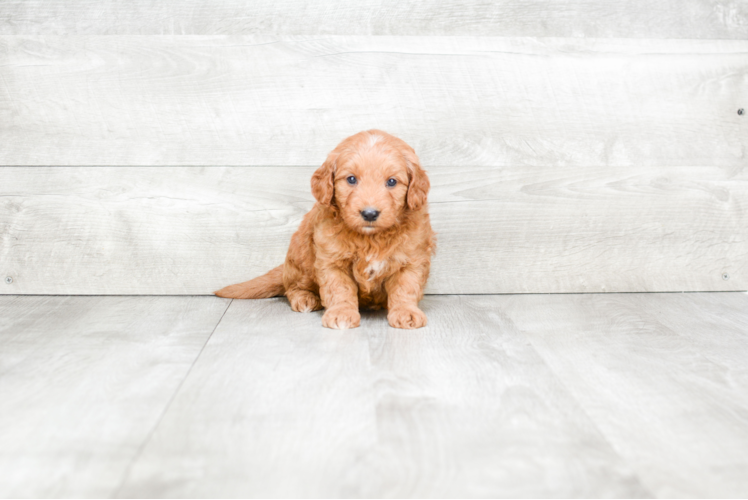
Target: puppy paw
point(409, 318)
point(305, 302)
point(340, 319)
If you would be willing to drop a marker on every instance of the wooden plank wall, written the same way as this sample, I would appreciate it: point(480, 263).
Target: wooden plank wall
point(573, 146)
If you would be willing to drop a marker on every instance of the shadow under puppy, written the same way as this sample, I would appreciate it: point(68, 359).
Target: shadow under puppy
point(367, 242)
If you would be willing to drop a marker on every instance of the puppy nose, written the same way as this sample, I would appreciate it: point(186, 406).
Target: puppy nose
point(370, 214)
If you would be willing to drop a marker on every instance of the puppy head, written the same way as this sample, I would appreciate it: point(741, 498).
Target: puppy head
point(372, 178)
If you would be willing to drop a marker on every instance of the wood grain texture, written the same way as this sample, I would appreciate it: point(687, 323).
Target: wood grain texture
point(187, 230)
point(84, 380)
point(279, 407)
point(465, 408)
point(576, 18)
point(595, 395)
point(468, 101)
point(663, 376)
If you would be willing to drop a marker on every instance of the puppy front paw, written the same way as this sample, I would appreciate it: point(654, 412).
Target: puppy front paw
point(304, 302)
point(340, 319)
point(408, 318)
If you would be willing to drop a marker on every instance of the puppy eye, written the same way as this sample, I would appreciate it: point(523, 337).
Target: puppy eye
point(351, 180)
point(391, 181)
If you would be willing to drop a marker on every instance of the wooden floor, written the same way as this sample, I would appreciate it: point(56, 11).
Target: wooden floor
point(587, 395)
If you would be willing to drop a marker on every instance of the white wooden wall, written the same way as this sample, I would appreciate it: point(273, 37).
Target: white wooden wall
point(573, 146)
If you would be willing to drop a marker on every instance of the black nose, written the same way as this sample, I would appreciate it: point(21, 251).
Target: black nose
point(369, 214)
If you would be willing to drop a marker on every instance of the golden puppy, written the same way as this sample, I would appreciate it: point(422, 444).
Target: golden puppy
point(367, 242)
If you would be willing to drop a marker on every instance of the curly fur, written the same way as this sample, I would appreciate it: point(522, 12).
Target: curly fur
point(338, 260)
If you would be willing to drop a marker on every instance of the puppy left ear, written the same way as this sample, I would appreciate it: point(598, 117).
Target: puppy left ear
point(323, 180)
point(418, 188)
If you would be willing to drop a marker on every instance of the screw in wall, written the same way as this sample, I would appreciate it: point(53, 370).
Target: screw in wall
point(8, 280)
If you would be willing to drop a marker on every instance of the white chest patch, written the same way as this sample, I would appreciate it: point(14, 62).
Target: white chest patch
point(374, 268)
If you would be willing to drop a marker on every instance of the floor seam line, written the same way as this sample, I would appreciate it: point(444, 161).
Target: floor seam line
point(148, 438)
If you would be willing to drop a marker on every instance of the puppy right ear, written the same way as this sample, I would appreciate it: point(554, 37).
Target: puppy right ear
point(418, 188)
point(323, 180)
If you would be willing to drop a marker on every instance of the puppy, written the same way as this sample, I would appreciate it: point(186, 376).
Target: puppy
point(367, 242)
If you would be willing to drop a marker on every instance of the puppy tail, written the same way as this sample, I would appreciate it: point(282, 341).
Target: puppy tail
point(266, 286)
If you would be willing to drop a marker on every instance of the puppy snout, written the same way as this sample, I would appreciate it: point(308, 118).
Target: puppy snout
point(370, 214)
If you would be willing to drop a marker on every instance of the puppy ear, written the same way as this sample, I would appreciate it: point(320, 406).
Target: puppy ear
point(323, 180)
point(418, 188)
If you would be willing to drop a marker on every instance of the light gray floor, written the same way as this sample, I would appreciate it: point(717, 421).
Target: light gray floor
point(587, 395)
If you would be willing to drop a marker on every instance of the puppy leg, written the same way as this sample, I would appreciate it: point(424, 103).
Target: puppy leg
point(404, 290)
point(339, 294)
point(303, 300)
point(298, 273)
